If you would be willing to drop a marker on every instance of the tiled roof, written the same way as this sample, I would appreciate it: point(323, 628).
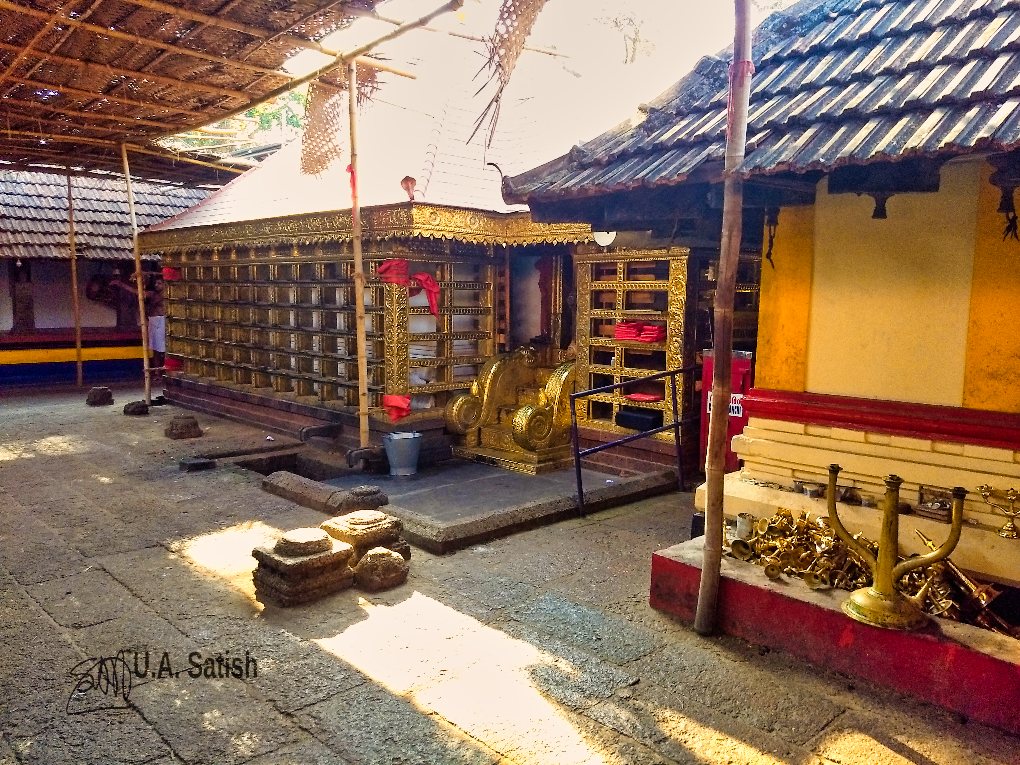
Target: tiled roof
point(34, 216)
point(837, 82)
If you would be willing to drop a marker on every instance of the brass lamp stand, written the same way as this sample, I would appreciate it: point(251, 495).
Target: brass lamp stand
point(880, 604)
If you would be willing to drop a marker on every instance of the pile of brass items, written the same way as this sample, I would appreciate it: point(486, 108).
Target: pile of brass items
point(801, 545)
point(805, 547)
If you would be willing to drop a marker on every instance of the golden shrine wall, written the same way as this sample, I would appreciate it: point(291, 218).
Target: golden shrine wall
point(281, 317)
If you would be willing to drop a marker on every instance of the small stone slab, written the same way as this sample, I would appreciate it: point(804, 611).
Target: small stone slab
point(183, 426)
point(136, 408)
point(357, 498)
point(99, 397)
point(291, 567)
point(380, 569)
point(303, 541)
point(193, 464)
point(285, 592)
point(322, 496)
point(364, 529)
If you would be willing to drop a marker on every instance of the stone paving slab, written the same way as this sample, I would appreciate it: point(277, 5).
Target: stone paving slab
point(370, 726)
point(537, 648)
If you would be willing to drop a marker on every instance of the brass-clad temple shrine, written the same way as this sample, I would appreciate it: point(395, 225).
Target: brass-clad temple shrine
point(479, 321)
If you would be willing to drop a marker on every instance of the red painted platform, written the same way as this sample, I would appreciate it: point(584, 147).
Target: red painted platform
point(962, 668)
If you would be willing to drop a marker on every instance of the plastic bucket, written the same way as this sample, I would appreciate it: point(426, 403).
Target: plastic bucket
point(402, 452)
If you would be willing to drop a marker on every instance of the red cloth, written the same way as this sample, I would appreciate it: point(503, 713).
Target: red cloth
point(171, 274)
point(643, 396)
point(428, 283)
point(393, 271)
point(397, 407)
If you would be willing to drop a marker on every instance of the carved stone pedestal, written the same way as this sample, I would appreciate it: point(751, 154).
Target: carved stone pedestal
point(304, 565)
point(365, 529)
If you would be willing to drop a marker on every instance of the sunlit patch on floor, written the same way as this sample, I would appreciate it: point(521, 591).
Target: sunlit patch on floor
point(477, 677)
point(102, 478)
point(226, 553)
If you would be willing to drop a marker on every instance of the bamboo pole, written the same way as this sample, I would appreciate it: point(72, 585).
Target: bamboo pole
point(139, 279)
point(729, 254)
point(359, 266)
point(75, 299)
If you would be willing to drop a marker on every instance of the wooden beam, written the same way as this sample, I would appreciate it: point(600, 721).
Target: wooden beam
point(139, 279)
point(94, 96)
point(76, 140)
point(360, 341)
point(133, 74)
point(75, 299)
point(259, 33)
point(116, 34)
point(79, 114)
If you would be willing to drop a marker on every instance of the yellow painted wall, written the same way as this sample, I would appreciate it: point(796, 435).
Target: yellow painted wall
point(890, 298)
point(992, 374)
point(785, 305)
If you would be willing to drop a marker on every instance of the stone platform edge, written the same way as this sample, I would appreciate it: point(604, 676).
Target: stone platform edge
point(968, 670)
point(446, 536)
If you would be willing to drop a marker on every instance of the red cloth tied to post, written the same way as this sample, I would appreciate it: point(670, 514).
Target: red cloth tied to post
point(428, 283)
point(394, 271)
point(397, 407)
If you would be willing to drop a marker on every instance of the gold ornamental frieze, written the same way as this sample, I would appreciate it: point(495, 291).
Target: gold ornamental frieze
point(401, 221)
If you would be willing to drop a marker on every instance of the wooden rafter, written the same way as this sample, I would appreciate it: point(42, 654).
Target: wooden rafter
point(259, 33)
point(123, 119)
point(115, 71)
point(116, 34)
point(93, 96)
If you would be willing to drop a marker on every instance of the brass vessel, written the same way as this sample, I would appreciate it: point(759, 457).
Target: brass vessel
point(880, 604)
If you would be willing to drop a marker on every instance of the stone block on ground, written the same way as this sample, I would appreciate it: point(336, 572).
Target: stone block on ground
point(99, 396)
point(183, 426)
point(355, 499)
point(322, 496)
point(136, 408)
point(365, 529)
point(270, 586)
point(380, 569)
point(304, 565)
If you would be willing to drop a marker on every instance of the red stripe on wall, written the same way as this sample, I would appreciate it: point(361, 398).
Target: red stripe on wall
point(936, 423)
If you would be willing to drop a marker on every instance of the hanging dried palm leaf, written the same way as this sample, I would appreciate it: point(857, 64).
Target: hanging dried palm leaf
point(516, 19)
point(325, 138)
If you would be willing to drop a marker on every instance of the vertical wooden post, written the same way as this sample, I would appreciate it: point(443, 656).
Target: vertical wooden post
point(75, 299)
point(729, 254)
point(139, 279)
point(359, 267)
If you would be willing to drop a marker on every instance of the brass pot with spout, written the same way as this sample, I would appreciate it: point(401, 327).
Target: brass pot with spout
point(880, 604)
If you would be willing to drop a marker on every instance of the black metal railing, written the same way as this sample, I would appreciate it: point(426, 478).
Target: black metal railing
point(674, 426)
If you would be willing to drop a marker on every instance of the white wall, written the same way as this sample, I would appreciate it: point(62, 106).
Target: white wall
point(51, 295)
point(890, 298)
point(525, 301)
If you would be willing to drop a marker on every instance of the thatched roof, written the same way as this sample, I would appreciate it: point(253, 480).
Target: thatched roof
point(79, 78)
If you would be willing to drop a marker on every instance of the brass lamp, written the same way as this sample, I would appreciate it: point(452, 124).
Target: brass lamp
point(880, 604)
